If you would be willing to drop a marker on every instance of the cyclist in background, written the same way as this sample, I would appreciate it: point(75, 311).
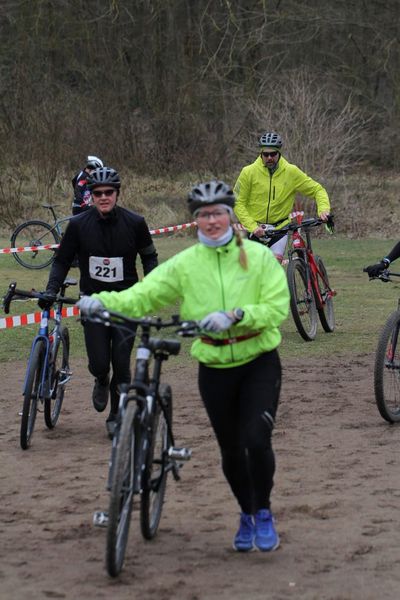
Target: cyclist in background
point(378, 268)
point(238, 292)
point(107, 240)
point(266, 191)
point(82, 196)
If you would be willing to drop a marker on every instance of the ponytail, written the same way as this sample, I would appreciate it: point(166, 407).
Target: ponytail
point(242, 252)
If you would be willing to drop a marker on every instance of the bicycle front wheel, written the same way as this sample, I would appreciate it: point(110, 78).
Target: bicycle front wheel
point(325, 312)
point(31, 394)
point(122, 490)
point(302, 301)
point(387, 370)
point(155, 473)
point(34, 233)
point(60, 375)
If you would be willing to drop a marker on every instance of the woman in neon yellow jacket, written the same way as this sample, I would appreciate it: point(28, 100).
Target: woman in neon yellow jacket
point(266, 191)
point(238, 292)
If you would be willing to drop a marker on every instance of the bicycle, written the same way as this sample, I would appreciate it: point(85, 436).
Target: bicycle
point(38, 233)
point(143, 447)
point(387, 362)
point(310, 291)
point(48, 369)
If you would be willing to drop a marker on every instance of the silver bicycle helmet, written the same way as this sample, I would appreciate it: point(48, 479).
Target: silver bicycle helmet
point(210, 192)
point(271, 139)
point(104, 176)
point(93, 162)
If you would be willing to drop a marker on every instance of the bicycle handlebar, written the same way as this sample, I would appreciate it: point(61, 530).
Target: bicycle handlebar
point(305, 223)
point(114, 319)
point(13, 291)
point(384, 276)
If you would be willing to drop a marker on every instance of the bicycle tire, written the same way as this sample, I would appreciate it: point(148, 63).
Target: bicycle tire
point(387, 370)
point(326, 313)
point(31, 395)
point(302, 302)
point(34, 233)
point(59, 370)
point(155, 474)
point(121, 496)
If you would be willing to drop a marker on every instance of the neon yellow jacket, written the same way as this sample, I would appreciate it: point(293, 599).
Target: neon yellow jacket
point(262, 198)
point(208, 279)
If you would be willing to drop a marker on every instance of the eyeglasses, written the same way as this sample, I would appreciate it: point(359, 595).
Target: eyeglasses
point(207, 215)
point(99, 194)
point(273, 154)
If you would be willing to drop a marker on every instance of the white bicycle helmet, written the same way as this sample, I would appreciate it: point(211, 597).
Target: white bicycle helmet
point(93, 162)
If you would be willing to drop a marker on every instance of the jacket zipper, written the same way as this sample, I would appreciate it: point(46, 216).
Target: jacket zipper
point(223, 295)
point(269, 194)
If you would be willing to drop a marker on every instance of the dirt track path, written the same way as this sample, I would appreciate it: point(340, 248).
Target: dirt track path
point(336, 498)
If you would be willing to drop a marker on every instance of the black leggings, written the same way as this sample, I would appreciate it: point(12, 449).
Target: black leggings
point(105, 345)
point(241, 403)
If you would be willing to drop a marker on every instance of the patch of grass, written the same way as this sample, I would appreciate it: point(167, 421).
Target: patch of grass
point(361, 306)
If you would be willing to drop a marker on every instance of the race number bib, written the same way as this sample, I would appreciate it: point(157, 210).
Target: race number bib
point(106, 269)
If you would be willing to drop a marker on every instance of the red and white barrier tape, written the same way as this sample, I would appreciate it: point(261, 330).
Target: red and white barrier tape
point(19, 320)
point(158, 231)
point(54, 246)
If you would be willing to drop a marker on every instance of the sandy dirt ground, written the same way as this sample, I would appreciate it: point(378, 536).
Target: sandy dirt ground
point(336, 499)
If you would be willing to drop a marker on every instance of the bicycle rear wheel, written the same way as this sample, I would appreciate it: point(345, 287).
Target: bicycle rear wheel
point(34, 233)
point(155, 474)
point(121, 497)
point(387, 370)
point(60, 375)
point(31, 394)
point(302, 301)
point(326, 312)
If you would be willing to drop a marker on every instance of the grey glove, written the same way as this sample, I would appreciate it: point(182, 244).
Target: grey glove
point(90, 306)
point(217, 321)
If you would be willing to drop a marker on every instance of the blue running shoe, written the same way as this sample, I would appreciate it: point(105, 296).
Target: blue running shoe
point(244, 538)
point(266, 538)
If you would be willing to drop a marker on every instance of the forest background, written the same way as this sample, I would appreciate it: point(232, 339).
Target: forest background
point(170, 92)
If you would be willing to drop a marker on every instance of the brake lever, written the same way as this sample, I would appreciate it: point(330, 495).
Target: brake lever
point(8, 297)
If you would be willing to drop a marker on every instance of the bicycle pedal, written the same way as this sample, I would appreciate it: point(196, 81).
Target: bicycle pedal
point(180, 454)
point(100, 518)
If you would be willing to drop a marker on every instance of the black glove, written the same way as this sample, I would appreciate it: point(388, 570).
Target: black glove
point(376, 270)
point(46, 303)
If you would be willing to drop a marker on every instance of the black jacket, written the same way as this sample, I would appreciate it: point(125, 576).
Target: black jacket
point(123, 233)
point(82, 195)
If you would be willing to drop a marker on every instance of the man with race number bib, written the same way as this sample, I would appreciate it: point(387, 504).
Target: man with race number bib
point(266, 191)
point(107, 241)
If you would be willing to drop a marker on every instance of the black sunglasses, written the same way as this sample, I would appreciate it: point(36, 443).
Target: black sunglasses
point(99, 194)
point(273, 154)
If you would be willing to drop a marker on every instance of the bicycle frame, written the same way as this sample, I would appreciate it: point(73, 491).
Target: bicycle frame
point(303, 249)
point(144, 391)
point(42, 336)
point(56, 227)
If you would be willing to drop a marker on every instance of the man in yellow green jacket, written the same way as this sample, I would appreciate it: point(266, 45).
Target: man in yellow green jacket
point(266, 190)
point(238, 292)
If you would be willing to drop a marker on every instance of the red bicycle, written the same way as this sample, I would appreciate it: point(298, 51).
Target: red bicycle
point(310, 292)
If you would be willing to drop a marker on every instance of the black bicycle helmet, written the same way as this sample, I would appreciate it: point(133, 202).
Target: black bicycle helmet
point(104, 176)
point(271, 139)
point(93, 162)
point(211, 192)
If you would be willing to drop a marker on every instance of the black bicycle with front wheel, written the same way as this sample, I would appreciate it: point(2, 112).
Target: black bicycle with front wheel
point(143, 449)
point(387, 363)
